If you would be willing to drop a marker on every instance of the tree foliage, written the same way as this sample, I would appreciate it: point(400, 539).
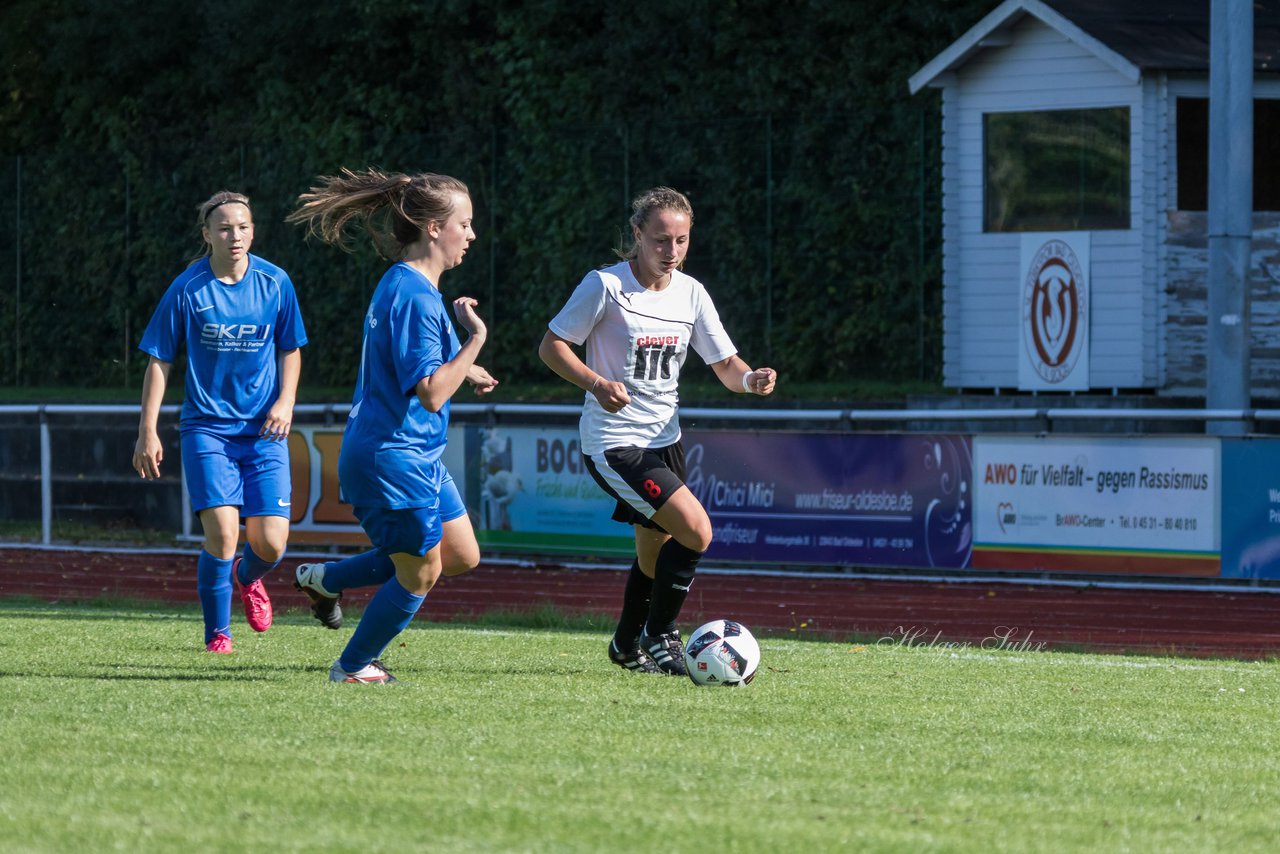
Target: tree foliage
point(814, 175)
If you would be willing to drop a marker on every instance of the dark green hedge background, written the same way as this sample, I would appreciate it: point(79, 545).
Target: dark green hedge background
point(813, 173)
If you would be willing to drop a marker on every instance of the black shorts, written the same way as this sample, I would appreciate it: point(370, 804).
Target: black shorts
point(641, 479)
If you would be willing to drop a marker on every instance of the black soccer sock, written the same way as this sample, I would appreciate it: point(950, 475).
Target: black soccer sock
point(635, 608)
point(672, 577)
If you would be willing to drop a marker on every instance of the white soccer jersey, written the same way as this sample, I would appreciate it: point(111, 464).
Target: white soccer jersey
point(641, 338)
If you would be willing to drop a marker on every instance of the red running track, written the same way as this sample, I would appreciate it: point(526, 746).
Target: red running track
point(1236, 623)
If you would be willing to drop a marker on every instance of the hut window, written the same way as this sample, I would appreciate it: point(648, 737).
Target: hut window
point(1056, 170)
point(1193, 154)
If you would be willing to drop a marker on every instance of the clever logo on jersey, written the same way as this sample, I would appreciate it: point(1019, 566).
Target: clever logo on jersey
point(234, 336)
point(653, 355)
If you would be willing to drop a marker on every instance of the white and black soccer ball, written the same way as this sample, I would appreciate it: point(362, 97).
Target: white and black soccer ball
point(722, 652)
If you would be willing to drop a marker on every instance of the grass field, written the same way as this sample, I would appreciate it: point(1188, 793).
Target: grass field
point(121, 734)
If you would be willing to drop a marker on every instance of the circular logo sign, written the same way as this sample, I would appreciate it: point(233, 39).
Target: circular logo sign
point(1053, 311)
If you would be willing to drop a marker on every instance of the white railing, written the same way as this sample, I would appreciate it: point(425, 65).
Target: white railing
point(845, 418)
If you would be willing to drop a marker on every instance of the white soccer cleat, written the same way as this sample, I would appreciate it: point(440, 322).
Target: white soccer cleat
point(373, 673)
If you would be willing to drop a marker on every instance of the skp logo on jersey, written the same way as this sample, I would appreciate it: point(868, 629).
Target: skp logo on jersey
point(235, 331)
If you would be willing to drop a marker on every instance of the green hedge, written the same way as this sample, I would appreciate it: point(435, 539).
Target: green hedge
point(814, 175)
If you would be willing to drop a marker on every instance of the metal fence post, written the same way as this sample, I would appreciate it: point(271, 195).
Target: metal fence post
point(1230, 206)
point(46, 480)
point(17, 272)
point(768, 237)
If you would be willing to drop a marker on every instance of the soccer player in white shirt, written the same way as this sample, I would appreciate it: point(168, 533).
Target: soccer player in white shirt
point(636, 321)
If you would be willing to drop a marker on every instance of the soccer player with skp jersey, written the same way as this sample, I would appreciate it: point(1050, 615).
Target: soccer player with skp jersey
point(237, 316)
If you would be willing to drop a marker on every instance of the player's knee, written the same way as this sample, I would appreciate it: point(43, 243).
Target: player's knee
point(458, 554)
point(693, 531)
point(462, 563)
point(221, 547)
point(696, 544)
point(698, 537)
point(268, 551)
point(419, 583)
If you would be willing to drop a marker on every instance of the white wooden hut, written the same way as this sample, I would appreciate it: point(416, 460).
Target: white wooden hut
point(1085, 122)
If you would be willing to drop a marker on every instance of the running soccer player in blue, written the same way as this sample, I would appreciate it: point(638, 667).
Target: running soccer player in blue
point(237, 315)
point(411, 363)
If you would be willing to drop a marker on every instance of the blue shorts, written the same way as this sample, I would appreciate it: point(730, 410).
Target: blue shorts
point(248, 472)
point(413, 530)
point(451, 506)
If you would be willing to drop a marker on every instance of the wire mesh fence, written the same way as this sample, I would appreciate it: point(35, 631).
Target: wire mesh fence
point(797, 233)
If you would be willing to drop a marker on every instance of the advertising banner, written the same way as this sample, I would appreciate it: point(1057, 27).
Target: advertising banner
point(838, 500)
point(1250, 508)
point(527, 489)
point(772, 498)
point(1195, 507)
point(776, 499)
point(1093, 504)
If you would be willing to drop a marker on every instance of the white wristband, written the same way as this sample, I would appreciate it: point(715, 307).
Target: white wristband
point(592, 390)
point(746, 382)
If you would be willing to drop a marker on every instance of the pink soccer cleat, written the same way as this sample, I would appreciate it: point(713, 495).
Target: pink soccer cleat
point(220, 644)
point(257, 604)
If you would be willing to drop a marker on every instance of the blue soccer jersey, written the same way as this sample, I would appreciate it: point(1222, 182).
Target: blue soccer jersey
point(233, 336)
point(392, 441)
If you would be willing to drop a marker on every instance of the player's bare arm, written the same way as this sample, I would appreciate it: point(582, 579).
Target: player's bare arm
point(434, 390)
point(148, 452)
point(279, 418)
point(737, 376)
point(559, 356)
point(481, 380)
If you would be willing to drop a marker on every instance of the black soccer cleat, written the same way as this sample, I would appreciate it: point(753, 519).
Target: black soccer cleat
point(635, 660)
point(327, 611)
point(309, 576)
point(666, 650)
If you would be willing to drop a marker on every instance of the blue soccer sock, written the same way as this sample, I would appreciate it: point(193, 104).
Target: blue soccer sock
point(389, 612)
point(252, 567)
point(213, 584)
point(363, 570)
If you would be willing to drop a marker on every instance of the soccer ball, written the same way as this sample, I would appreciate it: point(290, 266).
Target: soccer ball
point(722, 652)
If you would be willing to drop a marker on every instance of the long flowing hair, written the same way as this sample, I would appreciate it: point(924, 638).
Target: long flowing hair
point(394, 208)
